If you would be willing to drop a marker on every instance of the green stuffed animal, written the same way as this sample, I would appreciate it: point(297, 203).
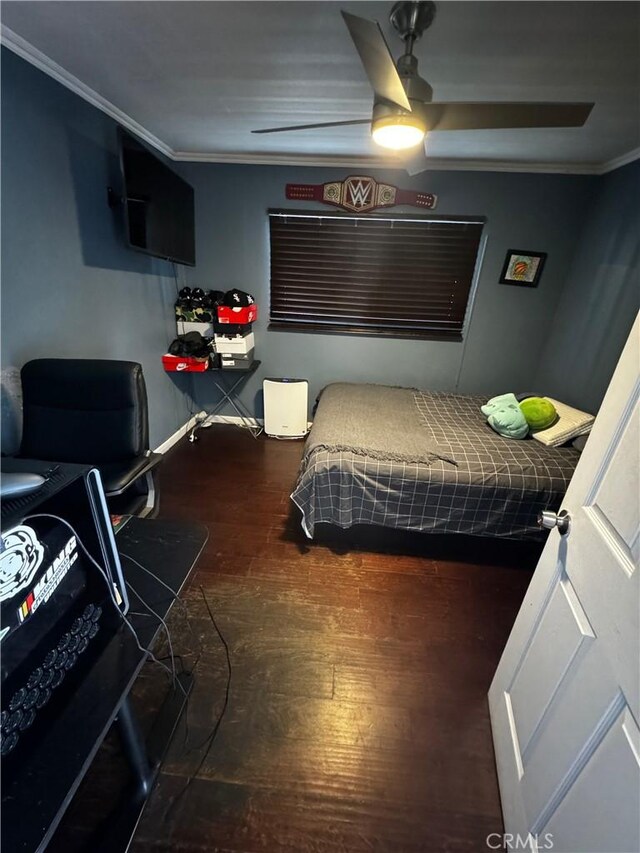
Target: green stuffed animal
point(539, 412)
point(505, 416)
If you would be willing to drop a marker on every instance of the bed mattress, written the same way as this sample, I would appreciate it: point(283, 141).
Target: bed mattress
point(496, 487)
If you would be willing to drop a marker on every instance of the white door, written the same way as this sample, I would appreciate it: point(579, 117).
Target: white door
point(565, 703)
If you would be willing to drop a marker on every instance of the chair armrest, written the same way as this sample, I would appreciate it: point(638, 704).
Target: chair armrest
point(117, 479)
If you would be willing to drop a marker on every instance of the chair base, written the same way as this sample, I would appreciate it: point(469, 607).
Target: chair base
point(142, 499)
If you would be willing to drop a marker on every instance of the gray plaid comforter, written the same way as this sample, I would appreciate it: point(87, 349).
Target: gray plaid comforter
point(497, 487)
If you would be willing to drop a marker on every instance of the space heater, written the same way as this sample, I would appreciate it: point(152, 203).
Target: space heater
point(285, 407)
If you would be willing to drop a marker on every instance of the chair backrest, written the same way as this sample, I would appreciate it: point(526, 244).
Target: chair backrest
point(10, 410)
point(84, 410)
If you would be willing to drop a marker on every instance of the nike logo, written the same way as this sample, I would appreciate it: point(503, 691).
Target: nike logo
point(181, 366)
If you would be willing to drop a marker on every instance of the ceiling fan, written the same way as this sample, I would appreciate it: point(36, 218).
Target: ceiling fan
point(403, 110)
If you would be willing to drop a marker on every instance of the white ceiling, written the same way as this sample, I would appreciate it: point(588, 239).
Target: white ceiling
point(199, 76)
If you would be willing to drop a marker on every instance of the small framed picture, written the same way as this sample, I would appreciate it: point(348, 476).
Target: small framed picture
point(522, 267)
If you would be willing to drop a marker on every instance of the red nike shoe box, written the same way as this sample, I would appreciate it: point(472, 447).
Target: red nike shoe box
point(247, 314)
point(184, 364)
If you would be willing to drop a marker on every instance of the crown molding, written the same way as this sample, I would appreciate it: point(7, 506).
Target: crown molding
point(40, 60)
point(275, 159)
point(435, 163)
point(620, 161)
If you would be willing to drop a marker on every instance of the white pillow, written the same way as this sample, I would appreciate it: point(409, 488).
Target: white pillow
point(570, 424)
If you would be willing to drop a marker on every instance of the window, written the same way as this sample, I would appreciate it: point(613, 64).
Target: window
point(397, 276)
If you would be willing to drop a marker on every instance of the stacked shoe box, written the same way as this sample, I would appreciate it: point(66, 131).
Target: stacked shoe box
point(233, 338)
point(236, 351)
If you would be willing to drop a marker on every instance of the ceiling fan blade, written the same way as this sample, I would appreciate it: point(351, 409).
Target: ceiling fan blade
point(313, 126)
point(504, 115)
point(377, 60)
point(416, 162)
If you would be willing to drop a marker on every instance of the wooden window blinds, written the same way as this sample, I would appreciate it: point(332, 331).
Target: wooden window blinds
point(396, 276)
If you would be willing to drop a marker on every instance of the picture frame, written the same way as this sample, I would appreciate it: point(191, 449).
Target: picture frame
point(522, 268)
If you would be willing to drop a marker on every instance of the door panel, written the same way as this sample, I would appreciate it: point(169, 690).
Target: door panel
point(565, 700)
point(617, 521)
point(571, 710)
point(584, 817)
point(567, 743)
point(562, 632)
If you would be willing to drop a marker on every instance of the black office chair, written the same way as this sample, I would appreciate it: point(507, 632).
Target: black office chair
point(93, 412)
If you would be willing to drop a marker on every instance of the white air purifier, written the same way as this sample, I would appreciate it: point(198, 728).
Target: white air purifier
point(285, 407)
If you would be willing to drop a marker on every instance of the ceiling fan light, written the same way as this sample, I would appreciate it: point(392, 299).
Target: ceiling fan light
point(398, 131)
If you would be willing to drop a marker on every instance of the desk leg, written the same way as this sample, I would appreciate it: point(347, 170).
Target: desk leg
point(145, 758)
point(134, 747)
point(229, 396)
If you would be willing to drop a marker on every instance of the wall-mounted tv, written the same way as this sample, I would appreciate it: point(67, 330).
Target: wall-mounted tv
point(159, 208)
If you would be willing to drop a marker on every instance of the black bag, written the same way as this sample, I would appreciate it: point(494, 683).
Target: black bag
point(192, 344)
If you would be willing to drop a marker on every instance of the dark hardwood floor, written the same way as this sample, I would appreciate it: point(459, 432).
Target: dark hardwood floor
point(358, 716)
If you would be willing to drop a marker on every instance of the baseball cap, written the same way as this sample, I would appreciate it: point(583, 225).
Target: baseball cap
point(238, 299)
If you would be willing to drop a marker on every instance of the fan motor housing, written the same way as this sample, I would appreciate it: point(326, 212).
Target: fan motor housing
point(412, 19)
point(384, 110)
point(416, 88)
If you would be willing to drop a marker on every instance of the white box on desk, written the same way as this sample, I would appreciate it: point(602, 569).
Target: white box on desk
point(238, 344)
point(239, 361)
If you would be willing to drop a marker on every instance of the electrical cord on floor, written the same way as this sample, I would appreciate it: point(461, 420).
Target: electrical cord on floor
point(252, 429)
point(194, 412)
point(208, 742)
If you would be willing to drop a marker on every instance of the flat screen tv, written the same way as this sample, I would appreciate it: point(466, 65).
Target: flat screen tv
point(159, 208)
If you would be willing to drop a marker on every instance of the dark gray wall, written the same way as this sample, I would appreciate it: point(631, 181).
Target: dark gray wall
point(509, 324)
point(602, 296)
point(70, 288)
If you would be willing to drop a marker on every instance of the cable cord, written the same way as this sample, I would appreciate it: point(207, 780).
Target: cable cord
point(110, 588)
point(174, 594)
point(167, 632)
point(182, 604)
point(175, 277)
point(208, 742)
point(252, 428)
point(185, 611)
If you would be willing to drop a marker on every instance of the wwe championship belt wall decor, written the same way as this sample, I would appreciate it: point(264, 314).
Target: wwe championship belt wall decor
point(359, 194)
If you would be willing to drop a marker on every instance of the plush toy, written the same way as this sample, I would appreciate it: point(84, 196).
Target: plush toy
point(505, 416)
point(539, 412)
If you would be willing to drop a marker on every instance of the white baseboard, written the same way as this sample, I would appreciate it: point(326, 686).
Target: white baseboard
point(238, 421)
point(208, 420)
point(180, 433)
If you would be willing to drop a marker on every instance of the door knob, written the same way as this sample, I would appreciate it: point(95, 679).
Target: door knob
point(548, 520)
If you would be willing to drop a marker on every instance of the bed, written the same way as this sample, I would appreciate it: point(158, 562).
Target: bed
point(423, 461)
